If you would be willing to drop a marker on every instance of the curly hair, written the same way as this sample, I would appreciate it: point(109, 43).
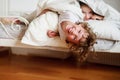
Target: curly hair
point(82, 50)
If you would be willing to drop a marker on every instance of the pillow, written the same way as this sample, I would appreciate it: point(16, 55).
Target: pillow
point(36, 33)
point(105, 29)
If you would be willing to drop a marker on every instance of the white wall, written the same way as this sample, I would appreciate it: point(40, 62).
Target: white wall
point(22, 5)
point(3, 7)
point(17, 6)
point(114, 3)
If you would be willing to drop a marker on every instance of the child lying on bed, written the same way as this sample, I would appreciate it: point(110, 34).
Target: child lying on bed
point(72, 30)
point(88, 15)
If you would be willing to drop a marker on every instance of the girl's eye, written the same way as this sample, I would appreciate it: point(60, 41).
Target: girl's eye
point(83, 12)
point(91, 12)
point(97, 19)
point(79, 31)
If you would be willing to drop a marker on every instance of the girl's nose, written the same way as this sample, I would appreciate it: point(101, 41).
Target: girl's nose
point(87, 17)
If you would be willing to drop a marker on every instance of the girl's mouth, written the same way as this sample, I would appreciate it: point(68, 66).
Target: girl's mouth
point(69, 28)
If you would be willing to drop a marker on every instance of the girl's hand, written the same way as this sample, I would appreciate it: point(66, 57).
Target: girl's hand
point(52, 34)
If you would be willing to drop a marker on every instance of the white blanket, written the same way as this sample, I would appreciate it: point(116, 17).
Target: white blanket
point(36, 33)
point(98, 6)
point(56, 5)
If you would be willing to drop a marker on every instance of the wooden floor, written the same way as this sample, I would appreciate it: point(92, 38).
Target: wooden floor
point(37, 68)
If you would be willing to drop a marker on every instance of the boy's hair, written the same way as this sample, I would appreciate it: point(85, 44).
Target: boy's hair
point(82, 50)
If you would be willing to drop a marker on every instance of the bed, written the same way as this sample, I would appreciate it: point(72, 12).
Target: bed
point(109, 54)
point(20, 43)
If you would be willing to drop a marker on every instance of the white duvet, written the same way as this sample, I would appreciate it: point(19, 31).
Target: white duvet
point(36, 33)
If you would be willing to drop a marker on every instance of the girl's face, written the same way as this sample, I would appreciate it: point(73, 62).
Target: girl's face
point(75, 33)
point(87, 11)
